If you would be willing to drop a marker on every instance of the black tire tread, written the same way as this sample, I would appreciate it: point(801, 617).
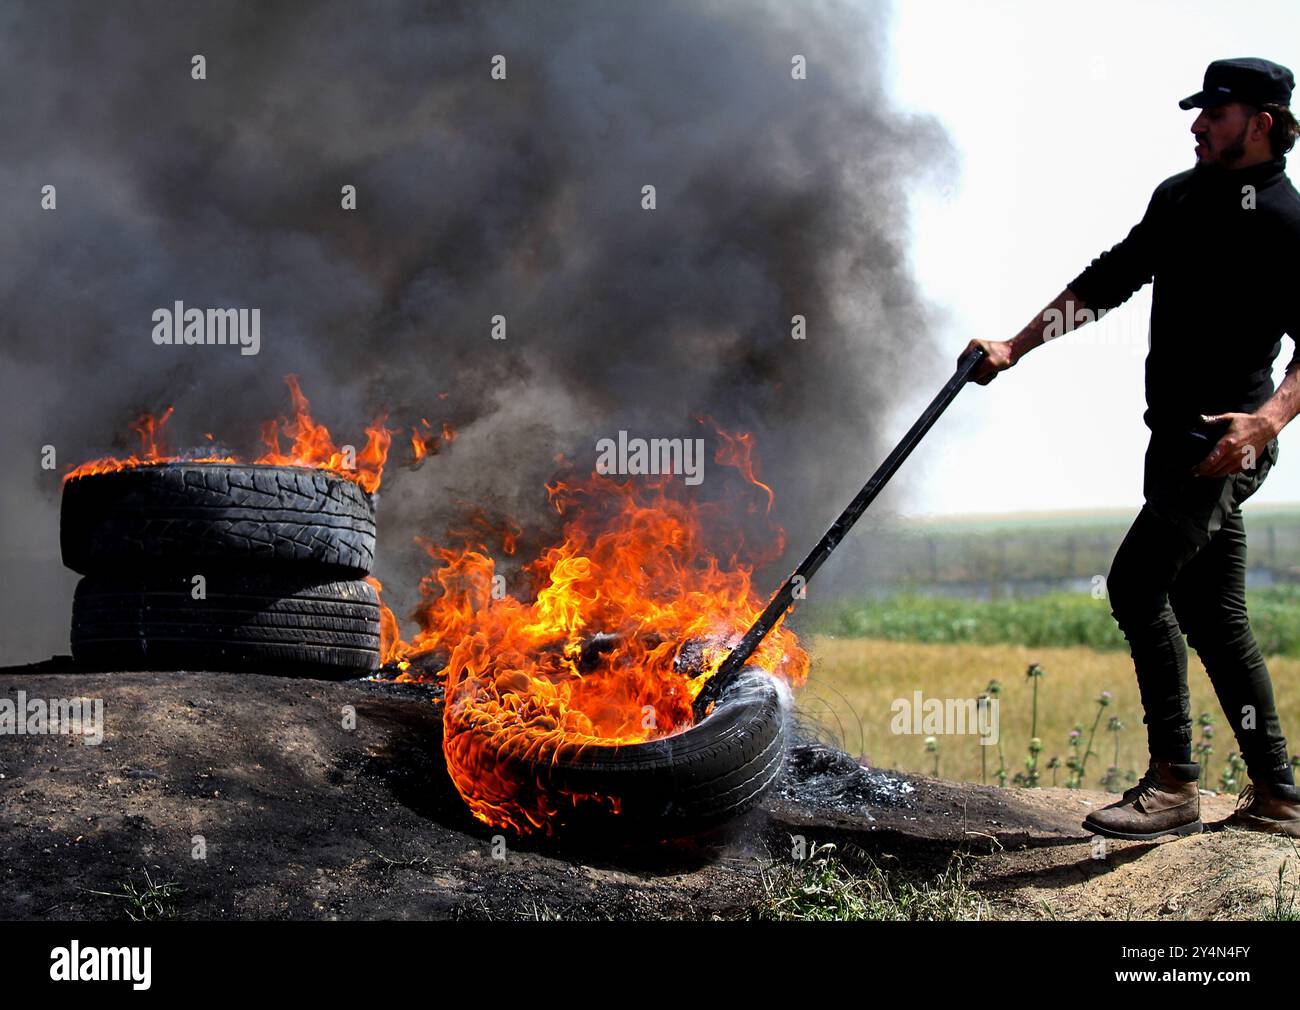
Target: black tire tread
point(181, 514)
point(249, 622)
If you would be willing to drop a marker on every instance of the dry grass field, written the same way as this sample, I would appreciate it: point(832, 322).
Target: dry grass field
point(855, 680)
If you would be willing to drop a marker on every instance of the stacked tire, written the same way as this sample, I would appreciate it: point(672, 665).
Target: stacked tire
point(218, 566)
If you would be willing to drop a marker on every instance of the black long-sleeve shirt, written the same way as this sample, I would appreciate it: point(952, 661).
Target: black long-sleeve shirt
point(1227, 286)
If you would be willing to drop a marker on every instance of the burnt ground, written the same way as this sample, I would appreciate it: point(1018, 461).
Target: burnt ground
point(303, 818)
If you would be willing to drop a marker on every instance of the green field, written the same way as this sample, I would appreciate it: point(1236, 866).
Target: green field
point(1054, 619)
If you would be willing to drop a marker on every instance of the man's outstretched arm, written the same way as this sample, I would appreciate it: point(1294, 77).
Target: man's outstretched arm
point(1002, 354)
point(1108, 281)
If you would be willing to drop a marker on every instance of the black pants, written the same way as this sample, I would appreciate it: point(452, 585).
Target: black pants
point(1182, 570)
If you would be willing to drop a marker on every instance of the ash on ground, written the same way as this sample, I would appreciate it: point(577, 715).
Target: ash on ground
point(820, 776)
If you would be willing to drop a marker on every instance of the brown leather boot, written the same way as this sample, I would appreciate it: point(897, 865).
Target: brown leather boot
point(1165, 801)
point(1268, 806)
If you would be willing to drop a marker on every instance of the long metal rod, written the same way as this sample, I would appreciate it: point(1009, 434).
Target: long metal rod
point(780, 603)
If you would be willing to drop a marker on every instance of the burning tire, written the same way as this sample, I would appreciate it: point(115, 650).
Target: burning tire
point(700, 778)
point(266, 623)
point(179, 515)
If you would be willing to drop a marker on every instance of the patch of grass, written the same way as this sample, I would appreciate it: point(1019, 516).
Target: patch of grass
point(540, 913)
point(147, 903)
point(480, 911)
point(1282, 906)
point(1053, 619)
point(830, 886)
point(385, 863)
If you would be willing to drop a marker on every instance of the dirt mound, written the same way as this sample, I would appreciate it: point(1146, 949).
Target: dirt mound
point(1223, 873)
point(261, 797)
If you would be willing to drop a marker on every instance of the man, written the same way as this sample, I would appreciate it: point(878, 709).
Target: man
point(1222, 244)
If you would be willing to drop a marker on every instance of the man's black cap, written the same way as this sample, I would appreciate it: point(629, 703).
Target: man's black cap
point(1249, 79)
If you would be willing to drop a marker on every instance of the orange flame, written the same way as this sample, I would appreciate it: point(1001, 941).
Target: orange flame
point(426, 441)
point(311, 445)
point(390, 638)
point(150, 431)
point(638, 560)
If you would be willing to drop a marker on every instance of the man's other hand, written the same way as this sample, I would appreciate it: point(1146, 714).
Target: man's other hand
point(1240, 446)
point(997, 358)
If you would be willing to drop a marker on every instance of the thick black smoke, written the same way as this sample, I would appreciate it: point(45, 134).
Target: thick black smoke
point(475, 197)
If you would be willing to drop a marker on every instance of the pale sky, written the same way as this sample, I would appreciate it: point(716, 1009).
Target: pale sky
point(1065, 118)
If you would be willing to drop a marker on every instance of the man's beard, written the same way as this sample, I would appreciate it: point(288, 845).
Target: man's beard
point(1229, 156)
point(1235, 151)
